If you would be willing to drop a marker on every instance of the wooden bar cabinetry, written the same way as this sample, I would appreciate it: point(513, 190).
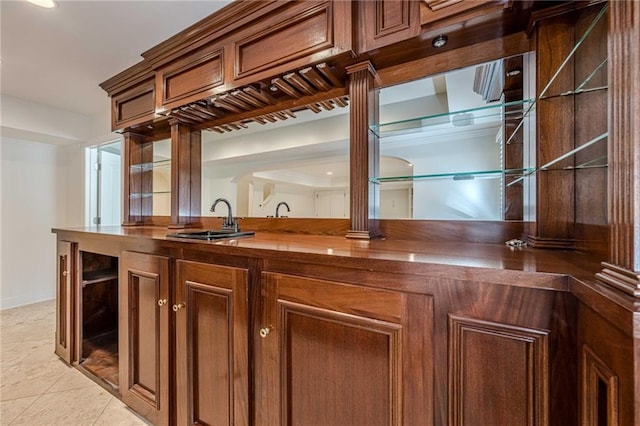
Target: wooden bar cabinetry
point(144, 335)
point(65, 299)
point(233, 335)
point(211, 350)
point(329, 344)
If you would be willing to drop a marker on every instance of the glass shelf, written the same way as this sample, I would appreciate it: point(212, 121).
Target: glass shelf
point(455, 118)
point(598, 162)
point(456, 176)
point(582, 87)
point(155, 165)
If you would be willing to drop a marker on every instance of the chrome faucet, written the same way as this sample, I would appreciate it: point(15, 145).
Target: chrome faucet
point(228, 222)
point(281, 203)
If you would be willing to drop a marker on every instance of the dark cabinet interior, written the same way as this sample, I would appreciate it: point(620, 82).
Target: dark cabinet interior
point(98, 316)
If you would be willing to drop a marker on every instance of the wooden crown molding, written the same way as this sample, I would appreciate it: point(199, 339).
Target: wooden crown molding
point(128, 78)
point(231, 17)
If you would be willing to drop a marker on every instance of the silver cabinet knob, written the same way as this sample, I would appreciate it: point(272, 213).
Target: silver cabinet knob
point(178, 306)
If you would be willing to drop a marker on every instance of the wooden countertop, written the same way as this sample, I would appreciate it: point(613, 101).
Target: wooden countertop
point(494, 263)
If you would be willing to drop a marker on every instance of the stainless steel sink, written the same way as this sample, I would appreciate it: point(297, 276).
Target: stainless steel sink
point(217, 234)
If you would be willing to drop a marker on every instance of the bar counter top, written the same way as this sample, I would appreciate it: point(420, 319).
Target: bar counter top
point(496, 263)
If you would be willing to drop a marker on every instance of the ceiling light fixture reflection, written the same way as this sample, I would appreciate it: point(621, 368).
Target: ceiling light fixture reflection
point(514, 72)
point(44, 3)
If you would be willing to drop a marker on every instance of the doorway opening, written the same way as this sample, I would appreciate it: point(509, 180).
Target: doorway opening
point(104, 184)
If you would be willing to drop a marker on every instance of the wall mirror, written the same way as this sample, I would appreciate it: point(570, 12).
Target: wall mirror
point(304, 161)
point(456, 146)
point(161, 178)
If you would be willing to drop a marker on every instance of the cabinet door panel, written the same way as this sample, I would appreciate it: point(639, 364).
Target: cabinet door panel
point(65, 300)
point(144, 335)
point(211, 345)
point(334, 353)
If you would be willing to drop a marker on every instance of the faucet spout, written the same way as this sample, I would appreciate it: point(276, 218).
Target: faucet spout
point(281, 203)
point(228, 222)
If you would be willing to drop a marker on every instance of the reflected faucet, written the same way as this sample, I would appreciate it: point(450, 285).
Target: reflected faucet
point(281, 203)
point(227, 222)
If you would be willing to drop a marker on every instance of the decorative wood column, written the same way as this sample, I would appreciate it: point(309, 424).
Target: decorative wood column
point(622, 271)
point(137, 180)
point(186, 171)
point(363, 151)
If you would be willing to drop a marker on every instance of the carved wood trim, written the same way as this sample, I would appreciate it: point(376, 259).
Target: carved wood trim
point(152, 272)
point(133, 106)
point(363, 151)
point(436, 5)
point(236, 15)
point(195, 291)
point(196, 74)
point(526, 344)
point(317, 87)
point(624, 147)
point(620, 278)
point(66, 301)
point(442, 12)
point(392, 332)
point(186, 169)
point(594, 371)
point(135, 280)
point(251, 56)
point(199, 286)
point(384, 28)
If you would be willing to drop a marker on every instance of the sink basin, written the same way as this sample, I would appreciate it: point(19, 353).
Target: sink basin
point(217, 234)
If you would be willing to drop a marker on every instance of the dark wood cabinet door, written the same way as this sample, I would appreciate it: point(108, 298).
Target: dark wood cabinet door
point(212, 356)
point(144, 335)
point(65, 300)
point(384, 22)
point(339, 354)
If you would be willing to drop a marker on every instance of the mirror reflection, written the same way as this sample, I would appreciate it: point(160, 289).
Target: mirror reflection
point(162, 177)
point(302, 162)
point(452, 147)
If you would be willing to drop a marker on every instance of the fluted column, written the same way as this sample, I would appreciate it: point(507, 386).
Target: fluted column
point(363, 151)
point(186, 167)
point(623, 268)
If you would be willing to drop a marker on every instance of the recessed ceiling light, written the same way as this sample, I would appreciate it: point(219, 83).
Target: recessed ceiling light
point(44, 3)
point(329, 173)
point(440, 41)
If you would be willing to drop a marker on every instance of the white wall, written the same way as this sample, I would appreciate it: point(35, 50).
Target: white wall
point(32, 184)
point(41, 187)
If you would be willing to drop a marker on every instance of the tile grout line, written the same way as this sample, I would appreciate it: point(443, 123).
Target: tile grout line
point(25, 409)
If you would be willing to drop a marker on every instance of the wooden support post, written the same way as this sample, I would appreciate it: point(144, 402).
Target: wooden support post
point(186, 169)
point(364, 151)
point(622, 271)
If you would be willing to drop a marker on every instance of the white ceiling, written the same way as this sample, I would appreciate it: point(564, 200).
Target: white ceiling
point(57, 57)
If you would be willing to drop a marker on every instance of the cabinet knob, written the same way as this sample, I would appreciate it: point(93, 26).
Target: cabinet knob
point(264, 332)
point(179, 306)
point(162, 302)
point(65, 273)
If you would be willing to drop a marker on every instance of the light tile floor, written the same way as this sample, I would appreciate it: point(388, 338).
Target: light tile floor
point(37, 388)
